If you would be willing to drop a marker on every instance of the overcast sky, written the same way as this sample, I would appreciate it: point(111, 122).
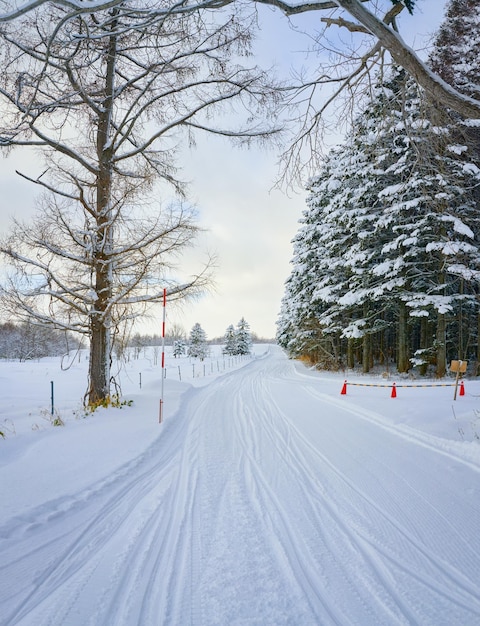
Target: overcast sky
point(249, 225)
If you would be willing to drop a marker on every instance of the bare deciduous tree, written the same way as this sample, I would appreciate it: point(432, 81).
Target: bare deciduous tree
point(106, 96)
point(55, 280)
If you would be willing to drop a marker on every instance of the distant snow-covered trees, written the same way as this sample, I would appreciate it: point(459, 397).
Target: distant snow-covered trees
point(29, 341)
point(238, 340)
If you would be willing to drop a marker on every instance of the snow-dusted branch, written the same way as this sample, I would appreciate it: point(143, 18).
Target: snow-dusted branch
point(400, 51)
point(367, 21)
point(78, 6)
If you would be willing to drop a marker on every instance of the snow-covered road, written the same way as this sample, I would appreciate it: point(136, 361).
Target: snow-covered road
point(262, 501)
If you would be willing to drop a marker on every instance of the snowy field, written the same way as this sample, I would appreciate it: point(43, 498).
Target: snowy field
point(264, 498)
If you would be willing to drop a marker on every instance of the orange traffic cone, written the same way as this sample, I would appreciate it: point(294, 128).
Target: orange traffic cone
point(344, 389)
point(462, 389)
point(394, 391)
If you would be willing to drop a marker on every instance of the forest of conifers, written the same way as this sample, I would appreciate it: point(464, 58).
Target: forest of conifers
point(386, 261)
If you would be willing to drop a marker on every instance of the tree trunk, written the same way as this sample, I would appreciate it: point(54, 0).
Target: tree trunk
point(99, 367)
point(461, 352)
point(478, 345)
point(441, 346)
point(403, 363)
point(101, 320)
point(424, 341)
point(351, 353)
point(366, 352)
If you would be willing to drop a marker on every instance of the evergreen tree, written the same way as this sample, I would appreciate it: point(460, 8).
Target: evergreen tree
point(455, 54)
point(455, 58)
point(230, 340)
point(179, 347)
point(198, 343)
point(388, 237)
point(314, 248)
point(243, 337)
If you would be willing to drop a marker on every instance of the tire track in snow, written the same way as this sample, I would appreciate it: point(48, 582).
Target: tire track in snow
point(254, 506)
point(455, 586)
point(433, 511)
point(235, 494)
point(238, 572)
point(318, 519)
point(464, 590)
point(104, 525)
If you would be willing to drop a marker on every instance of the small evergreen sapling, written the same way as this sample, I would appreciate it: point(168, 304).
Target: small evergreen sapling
point(243, 337)
point(230, 339)
point(179, 348)
point(198, 343)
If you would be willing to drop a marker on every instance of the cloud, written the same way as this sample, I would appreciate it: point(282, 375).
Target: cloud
point(250, 227)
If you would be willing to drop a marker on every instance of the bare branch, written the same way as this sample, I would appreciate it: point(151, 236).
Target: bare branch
point(77, 6)
point(353, 27)
point(342, 23)
point(402, 54)
point(400, 51)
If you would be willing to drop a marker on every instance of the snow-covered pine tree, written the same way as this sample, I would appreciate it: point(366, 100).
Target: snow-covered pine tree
point(198, 347)
point(455, 58)
point(455, 52)
point(396, 219)
point(413, 187)
point(230, 340)
point(243, 337)
point(327, 288)
point(179, 348)
point(317, 259)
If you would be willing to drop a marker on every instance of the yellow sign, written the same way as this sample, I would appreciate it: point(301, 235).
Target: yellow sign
point(459, 366)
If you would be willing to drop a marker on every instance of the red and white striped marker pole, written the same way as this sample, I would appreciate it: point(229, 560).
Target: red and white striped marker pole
point(160, 416)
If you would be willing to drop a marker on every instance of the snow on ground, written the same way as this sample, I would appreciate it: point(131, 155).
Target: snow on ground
point(264, 498)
